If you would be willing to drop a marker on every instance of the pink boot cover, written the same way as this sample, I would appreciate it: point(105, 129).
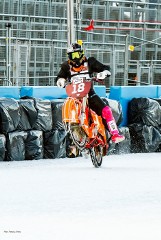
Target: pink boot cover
point(111, 123)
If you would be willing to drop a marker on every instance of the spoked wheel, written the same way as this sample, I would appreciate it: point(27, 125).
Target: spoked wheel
point(96, 154)
point(78, 136)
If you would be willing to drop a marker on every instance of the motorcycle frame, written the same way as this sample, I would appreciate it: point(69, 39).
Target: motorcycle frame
point(77, 111)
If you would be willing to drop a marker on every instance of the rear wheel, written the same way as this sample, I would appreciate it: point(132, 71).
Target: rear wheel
point(96, 154)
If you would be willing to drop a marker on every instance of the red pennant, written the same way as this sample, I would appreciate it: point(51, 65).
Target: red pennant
point(90, 27)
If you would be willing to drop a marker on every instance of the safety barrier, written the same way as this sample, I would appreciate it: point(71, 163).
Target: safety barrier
point(31, 116)
point(119, 93)
point(10, 92)
point(47, 92)
point(53, 92)
point(125, 94)
point(31, 126)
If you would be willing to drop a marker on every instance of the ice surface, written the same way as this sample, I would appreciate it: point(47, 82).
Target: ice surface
point(69, 199)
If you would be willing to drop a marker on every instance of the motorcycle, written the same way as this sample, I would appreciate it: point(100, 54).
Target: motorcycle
point(83, 124)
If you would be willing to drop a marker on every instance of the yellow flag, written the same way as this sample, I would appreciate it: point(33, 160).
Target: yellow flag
point(131, 48)
point(80, 42)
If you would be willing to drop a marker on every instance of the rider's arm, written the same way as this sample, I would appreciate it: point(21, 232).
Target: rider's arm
point(96, 66)
point(64, 71)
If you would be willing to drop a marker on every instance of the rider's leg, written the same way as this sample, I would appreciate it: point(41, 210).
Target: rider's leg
point(102, 109)
point(111, 123)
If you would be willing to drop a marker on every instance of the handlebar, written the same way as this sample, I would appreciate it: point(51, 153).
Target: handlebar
point(93, 78)
point(97, 80)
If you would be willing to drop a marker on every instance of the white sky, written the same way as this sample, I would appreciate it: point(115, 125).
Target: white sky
point(69, 199)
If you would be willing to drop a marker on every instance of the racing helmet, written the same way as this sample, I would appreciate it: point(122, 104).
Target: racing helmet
point(75, 54)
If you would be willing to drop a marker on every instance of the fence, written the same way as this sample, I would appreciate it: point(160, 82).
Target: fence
point(33, 39)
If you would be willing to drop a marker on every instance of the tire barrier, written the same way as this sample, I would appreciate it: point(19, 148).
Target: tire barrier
point(144, 110)
point(125, 94)
point(56, 108)
point(55, 143)
point(31, 128)
point(44, 115)
point(2, 147)
point(144, 138)
point(28, 114)
point(9, 115)
point(15, 145)
point(34, 145)
point(34, 129)
point(144, 117)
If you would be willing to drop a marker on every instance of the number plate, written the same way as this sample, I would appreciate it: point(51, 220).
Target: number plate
point(77, 80)
point(78, 88)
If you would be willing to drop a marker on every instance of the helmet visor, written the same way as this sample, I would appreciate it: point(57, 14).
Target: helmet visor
point(75, 55)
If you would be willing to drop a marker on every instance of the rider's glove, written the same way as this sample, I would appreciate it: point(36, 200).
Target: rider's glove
point(107, 73)
point(61, 82)
point(104, 74)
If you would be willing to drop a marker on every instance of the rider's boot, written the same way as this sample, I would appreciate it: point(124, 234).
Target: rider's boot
point(111, 123)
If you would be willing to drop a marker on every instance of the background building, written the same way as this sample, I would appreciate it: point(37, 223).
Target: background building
point(33, 39)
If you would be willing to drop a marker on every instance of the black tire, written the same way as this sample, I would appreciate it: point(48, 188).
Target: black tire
point(96, 154)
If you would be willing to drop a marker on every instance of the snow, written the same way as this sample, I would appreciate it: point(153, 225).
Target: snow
point(69, 199)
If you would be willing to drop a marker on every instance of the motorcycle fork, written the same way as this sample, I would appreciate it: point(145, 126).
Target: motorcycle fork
point(83, 111)
point(86, 120)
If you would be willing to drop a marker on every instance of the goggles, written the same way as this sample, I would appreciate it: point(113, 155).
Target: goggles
point(75, 55)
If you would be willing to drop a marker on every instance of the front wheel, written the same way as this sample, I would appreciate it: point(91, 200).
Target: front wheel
point(78, 136)
point(96, 154)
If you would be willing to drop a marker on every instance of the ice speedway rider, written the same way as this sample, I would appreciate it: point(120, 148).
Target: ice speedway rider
point(77, 64)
